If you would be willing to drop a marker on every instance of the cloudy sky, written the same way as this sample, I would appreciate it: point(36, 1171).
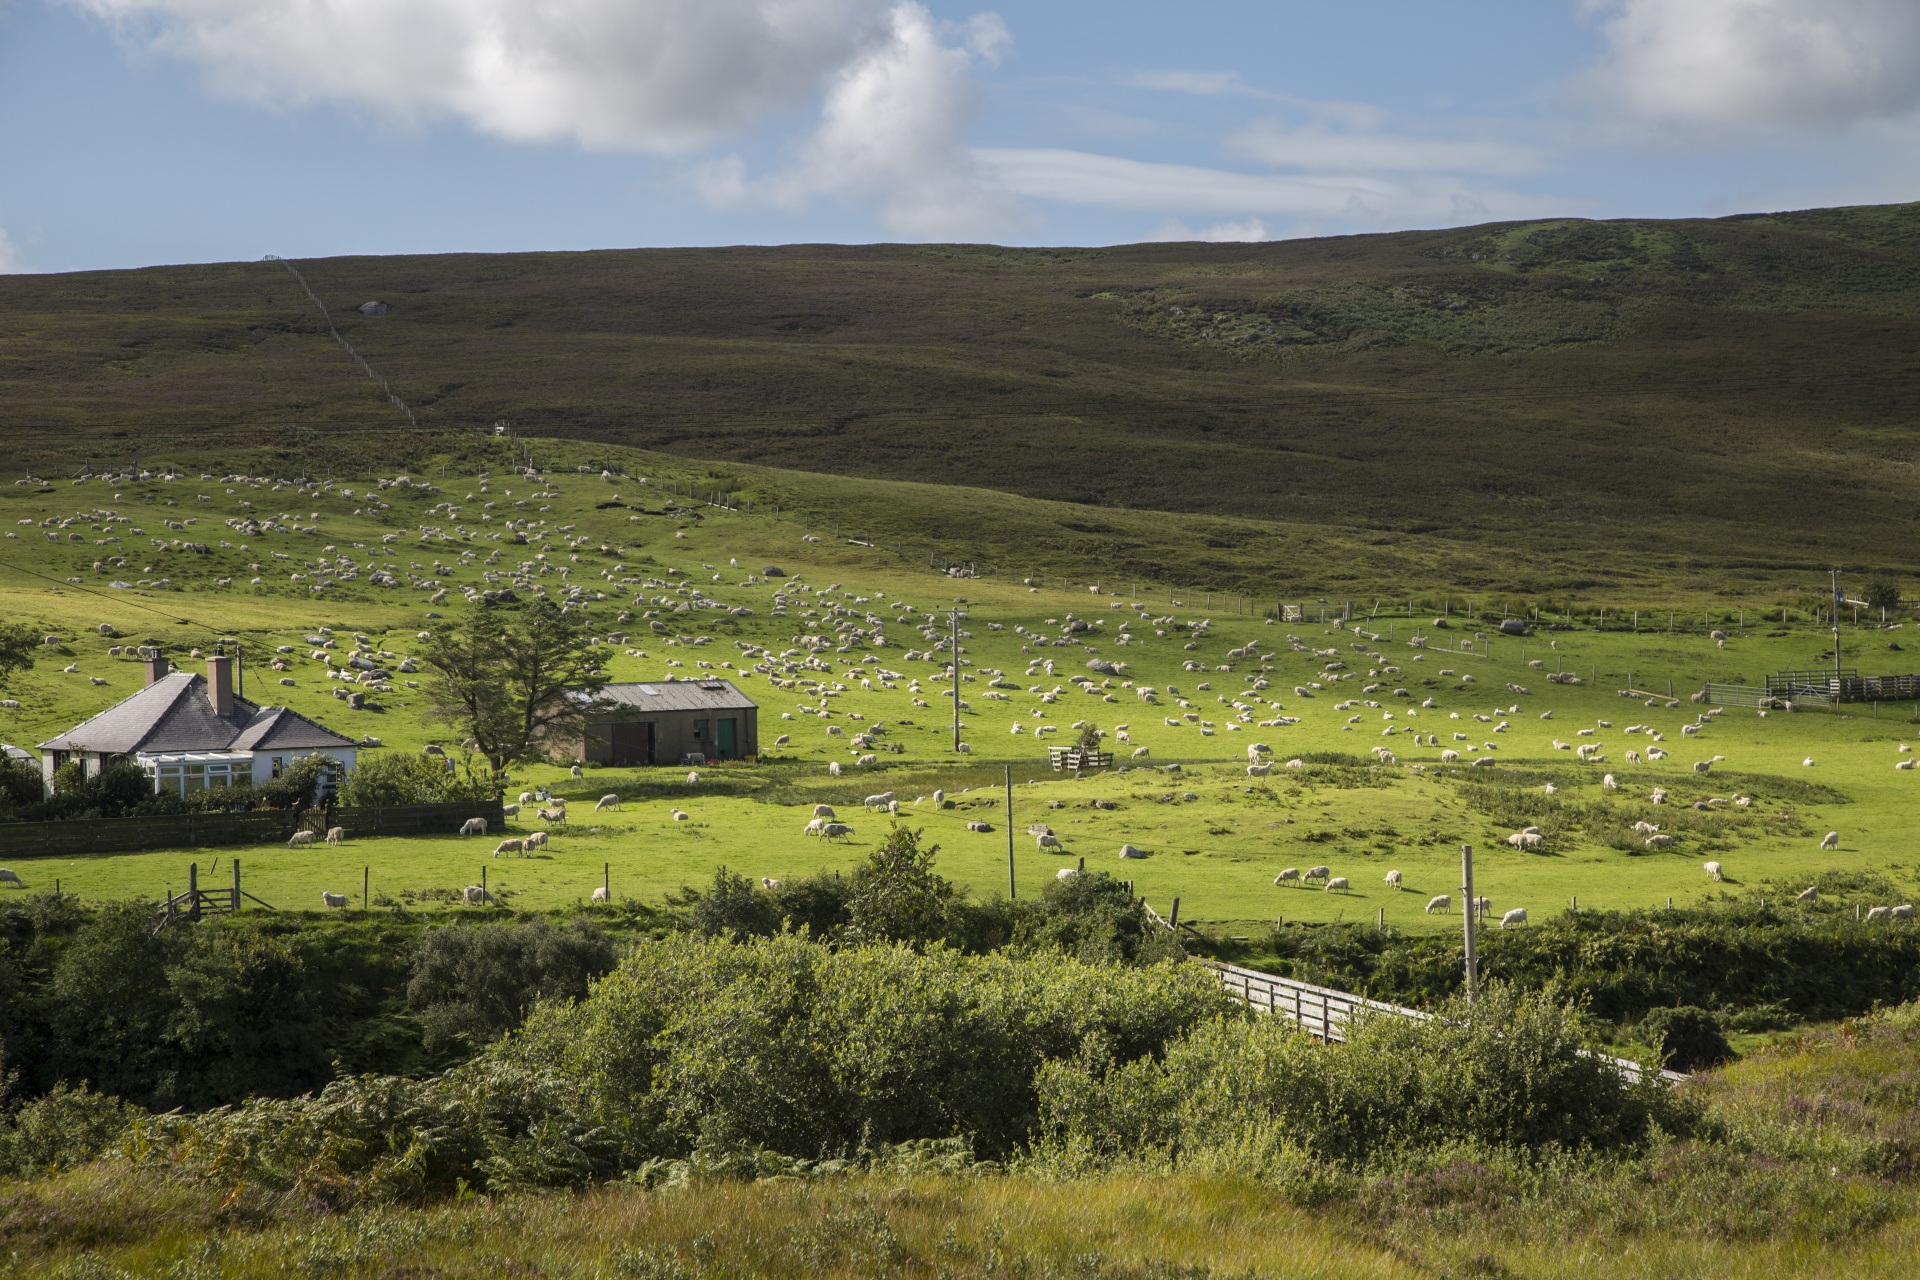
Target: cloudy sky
point(145, 131)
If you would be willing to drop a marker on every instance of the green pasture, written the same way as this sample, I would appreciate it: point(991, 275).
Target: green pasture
point(1218, 851)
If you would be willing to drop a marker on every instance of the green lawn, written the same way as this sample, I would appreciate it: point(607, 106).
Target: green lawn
point(1218, 852)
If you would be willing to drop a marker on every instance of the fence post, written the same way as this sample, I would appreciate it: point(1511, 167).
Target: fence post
point(1466, 871)
point(193, 890)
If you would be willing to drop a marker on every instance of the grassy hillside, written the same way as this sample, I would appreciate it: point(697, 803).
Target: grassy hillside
point(1556, 406)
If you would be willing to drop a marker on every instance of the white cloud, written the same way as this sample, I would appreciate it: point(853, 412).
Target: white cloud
point(892, 132)
point(1744, 64)
point(1314, 146)
point(1206, 84)
point(1114, 182)
point(655, 75)
point(1219, 233)
point(9, 256)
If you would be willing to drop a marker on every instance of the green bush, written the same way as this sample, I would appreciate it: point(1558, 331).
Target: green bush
point(66, 1127)
point(473, 983)
point(398, 777)
point(1095, 918)
point(1688, 1037)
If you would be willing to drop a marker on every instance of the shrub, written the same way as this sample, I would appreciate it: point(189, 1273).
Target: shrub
point(67, 1127)
point(1687, 1037)
point(734, 908)
point(896, 895)
point(474, 983)
point(1095, 918)
point(399, 777)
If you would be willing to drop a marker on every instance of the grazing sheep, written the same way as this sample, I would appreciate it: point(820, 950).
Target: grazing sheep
point(609, 801)
point(814, 827)
point(578, 772)
point(1809, 894)
point(783, 740)
point(1831, 840)
point(333, 901)
point(1608, 784)
point(1878, 913)
point(939, 798)
point(1702, 766)
point(336, 835)
point(879, 801)
point(1317, 873)
point(769, 883)
point(1525, 840)
point(1139, 752)
point(476, 896)
point(1065, 873)
point(1516, 916)
point(538, 840)
point(833, 767)
point(478, 826)
point(1902, 912)
point(551, 815)
point(300, 838)
point(1646, 828)
point(824, 811)
point(600, 894)
point(1393, 879)
point(1261, 770)
point(836, 831)
point(1047, 842)
point(1712, 869)
point(510, 846)
point(1291, 874)
point(12, 878)
point(1337, 882)
point(867, 761)
point(1440, 904)
point(526, 797)
point(1449, 756)
point(693, 777)
point(1633, 757)
point(509, 810)
point(1660, 842)
point(679, 815)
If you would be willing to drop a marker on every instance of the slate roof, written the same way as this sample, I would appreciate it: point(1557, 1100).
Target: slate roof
point(174, 714)
point(676, 695)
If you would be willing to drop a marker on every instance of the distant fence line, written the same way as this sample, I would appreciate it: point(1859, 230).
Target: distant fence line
point(358, 359)
point(261, 826)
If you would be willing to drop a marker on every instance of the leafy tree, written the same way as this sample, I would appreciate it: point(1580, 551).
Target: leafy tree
point(20, 786)
point(1882, 593)
point(1688, 1037)
point(896, 895)
point(111, 1005)
point(18, 644)
point(515, 679)
point(405, 778)
point(732, 908)
point(474, 983)
point(1095, 918)
point(246, 1019)
point(1089, 738)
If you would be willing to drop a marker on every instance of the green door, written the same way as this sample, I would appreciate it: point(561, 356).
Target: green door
point(729, 739)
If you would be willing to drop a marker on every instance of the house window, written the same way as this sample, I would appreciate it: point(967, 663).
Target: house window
point(699, 730)
point(279, 763)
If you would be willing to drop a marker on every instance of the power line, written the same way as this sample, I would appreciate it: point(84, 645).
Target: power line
point(64, 585)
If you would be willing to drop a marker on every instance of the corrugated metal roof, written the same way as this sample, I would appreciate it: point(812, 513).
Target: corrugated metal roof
point(174, 714)
point(678, 695)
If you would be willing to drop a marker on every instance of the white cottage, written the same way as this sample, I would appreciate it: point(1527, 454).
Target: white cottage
point(193, 733)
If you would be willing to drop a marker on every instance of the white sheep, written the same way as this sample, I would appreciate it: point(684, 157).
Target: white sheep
point(12, 878)
point(880, 801)
point(693, 777)
point(300, 838)
point(1831, 840)
point(836, 831)
point(1393, 879)
point(509, 810)
point(577, 771)
point(549, 815)
point(537, 840)
point(336, 835)
point(1440, 904)
point(1712, 869)
point(1878, 913)
point(476, 826)
point(1261, 770)
point(609, 801)
point(1317, 873)
point(824, 811)
point(1065, 873)
point(769, 883)
point(1660, 842)
point(678, 815)
point(833, 767)
point(1516, 916)
point(1808, 894)
point(1807, 763)
point(333, 901)
point(1290, 875)
point(1608, 784)
point(510, 846)
point(526, 797)
point(600, 893)
point(476, 896)
point(1449, 756)
point(1337, 882)
point(980, 826)
point(1902, 912)
point(1047, 842)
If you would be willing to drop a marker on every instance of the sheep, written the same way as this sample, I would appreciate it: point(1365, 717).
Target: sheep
point(1660, 842)
point(880, 801)
point(833, 767)
point(12, 878)
point(1712, 869)
point(1516, 916)
point(600, 894)
point(1393, 879)
point(1047, 842)
point(769, 883)
point(510, 846)
point(814, 827)
point(333, 901)
point(509, 810)
point(478, 826)
point(1290, 875)
point(1440, 904)
point(1902, 912)
point(678, 815)
point(693, 777)
point(1484, 762)
point(980, 826)
point(1608, 784)
point(1524, 840)
point(1702, 766)
point(1831, 840)
point(836, 831)
point(1878, 913)
point(336, 835)
point(1140, 752)
point(537, 840)
point(1295, 763)
point(1337, 882)
point(578, 772)
point(783, 740)
point(1659, 796)
point(1807, 763)
point(1261, 770)
point(1449, 756)
point(939, 798)
point(1809, 894)
point(300, 838)
point(1317, 873)
point(526, 798)
point(476, 896)
point(1903, 764)
point(551, 815)
point(1645, 828)
point(1633, 757)
point(609, 801)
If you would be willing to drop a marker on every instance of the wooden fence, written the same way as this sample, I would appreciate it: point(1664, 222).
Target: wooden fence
point(1324, 1013)
point(262, 826)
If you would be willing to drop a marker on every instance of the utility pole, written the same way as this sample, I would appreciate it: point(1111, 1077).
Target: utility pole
point(1012, 893)
point(955, 641)
point(1836, 634)
point(1473, 910)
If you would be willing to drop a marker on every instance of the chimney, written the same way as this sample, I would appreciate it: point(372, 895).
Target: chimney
point(220, 683)
point(156, 665)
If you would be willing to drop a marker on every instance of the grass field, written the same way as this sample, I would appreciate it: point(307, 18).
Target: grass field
point(1218, 851)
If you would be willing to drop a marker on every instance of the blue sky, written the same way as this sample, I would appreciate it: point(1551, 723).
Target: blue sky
point(135, 132)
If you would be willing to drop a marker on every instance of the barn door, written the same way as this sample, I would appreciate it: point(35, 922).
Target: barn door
point(632, 743)
point(729, 739)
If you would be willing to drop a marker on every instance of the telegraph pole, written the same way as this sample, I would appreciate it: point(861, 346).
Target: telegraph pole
point(1473, 910)
point(1012, 893)
point(955, 642)
point(1836, 635)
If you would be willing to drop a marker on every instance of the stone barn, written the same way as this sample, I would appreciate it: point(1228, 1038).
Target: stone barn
point(672, 722)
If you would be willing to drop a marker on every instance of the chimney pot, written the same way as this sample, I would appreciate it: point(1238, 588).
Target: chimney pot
point(156, 666)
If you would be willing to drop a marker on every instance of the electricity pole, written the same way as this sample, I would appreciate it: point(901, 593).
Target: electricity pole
point(1836, 635)
point(1473, 910)
point(955, 641)
point(1012, 893)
